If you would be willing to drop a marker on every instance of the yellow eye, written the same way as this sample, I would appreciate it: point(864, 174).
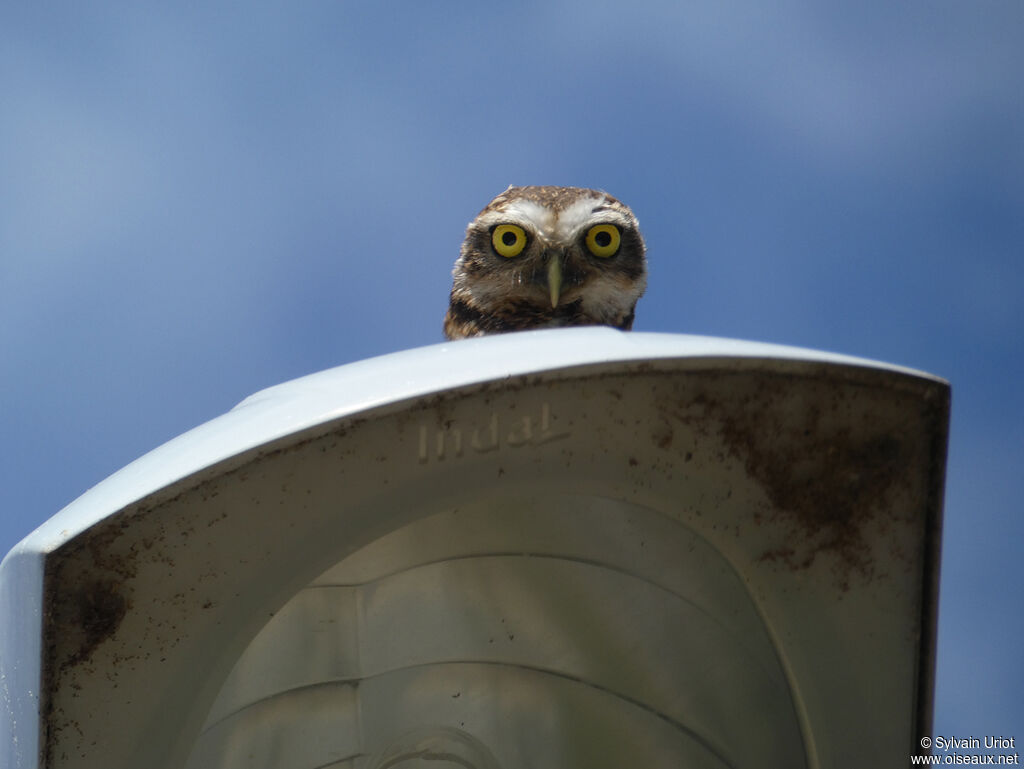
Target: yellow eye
point(603, 240)
point(508, 240)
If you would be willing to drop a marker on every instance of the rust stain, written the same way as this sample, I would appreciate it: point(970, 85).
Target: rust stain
point(828, 461)
point(98, 608)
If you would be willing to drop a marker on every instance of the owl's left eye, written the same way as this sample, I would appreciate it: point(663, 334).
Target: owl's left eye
point(603, 240)
point(508, 240)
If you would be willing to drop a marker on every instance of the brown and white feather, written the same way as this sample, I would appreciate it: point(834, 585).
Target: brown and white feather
point(494, 294)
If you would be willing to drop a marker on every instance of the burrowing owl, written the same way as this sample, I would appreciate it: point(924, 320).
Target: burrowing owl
point(539, 257)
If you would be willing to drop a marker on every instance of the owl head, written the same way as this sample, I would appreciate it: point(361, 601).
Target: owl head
point(541, 257)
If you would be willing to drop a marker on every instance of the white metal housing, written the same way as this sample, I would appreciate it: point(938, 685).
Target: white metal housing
point(544, 549)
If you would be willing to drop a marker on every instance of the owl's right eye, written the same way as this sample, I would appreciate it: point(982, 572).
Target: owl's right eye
point(508, 240)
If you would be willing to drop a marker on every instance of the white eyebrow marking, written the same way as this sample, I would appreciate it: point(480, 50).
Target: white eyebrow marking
point(556, 228)
point(575, 216)
point(587, 211)
point(529, 215)
point(540, 217)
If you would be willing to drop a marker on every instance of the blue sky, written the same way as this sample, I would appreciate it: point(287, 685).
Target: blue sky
point(202, 200)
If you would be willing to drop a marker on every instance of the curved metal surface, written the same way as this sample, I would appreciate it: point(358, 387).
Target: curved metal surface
point(759, 525)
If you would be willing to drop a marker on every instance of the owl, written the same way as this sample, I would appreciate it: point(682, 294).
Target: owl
point(542, 257)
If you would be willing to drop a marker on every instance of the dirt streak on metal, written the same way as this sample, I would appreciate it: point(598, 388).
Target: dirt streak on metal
point(830, 454)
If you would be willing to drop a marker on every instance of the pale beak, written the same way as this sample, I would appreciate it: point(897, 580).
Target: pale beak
point(555, 279)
